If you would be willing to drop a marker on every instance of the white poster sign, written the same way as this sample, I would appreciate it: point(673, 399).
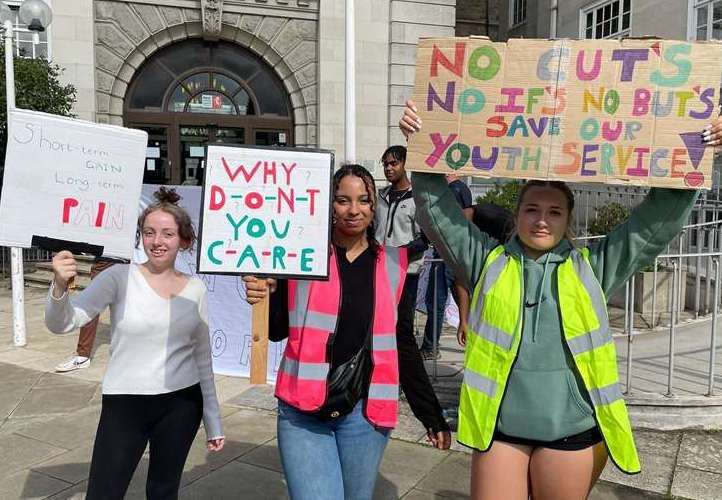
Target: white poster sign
point(229, 315)
point(71, 180)
point(266, 211)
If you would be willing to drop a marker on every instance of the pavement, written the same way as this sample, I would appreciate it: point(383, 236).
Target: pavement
point(48, 424)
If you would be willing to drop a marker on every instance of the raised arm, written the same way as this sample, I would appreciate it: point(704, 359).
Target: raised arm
point(459, 242)
point(63, 315)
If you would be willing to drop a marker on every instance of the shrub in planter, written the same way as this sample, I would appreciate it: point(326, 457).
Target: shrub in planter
point(607, 218)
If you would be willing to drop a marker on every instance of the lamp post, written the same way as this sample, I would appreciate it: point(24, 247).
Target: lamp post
point(350, 106)
point(37, 16)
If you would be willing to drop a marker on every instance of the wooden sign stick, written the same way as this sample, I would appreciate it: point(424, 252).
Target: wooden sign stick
point(259, 337)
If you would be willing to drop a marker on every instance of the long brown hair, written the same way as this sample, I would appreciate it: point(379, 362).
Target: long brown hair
point(368, 180)
point(167, 201)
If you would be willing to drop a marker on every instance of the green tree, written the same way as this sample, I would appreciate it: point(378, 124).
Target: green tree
point(503, 194)
point(608, 217)
point(37, 87)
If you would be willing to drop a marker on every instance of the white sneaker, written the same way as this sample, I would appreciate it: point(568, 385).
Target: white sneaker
point(74, 363)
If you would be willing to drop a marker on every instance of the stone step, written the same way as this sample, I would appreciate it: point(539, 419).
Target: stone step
point(43, 277)
point(83, 267)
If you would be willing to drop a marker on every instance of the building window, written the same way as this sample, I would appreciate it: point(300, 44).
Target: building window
point(23, 38)
point(518, 12)
point(607, 19)
point(708, 19)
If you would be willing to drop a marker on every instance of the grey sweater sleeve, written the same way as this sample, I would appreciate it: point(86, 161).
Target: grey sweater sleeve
point(202, 355)
point(459, 242)
point(64, 315)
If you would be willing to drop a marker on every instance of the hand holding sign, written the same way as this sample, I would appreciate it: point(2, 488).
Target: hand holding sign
point(64, 269)
point(265, 212)
point(619, 112)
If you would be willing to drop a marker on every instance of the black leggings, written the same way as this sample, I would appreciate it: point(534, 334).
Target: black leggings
point(127, 423)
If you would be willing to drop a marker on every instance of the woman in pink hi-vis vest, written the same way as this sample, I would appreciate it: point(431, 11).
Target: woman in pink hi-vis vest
point(338, 383)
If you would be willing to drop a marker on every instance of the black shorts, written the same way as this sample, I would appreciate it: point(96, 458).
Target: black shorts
point(570, 443)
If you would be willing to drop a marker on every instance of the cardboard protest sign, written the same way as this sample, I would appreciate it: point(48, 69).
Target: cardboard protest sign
point(266, 212)
point(71, 180)
point(229, 315)
point(620, 112)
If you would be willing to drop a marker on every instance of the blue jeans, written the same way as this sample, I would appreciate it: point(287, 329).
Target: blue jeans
point(329, 460)
point(444, 278)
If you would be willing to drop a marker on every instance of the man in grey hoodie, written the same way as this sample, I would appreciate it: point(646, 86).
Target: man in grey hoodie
point(396, 226)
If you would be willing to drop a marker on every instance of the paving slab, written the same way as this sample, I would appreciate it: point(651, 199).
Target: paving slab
point(450, 477)
point(265, 456)
point(237, 480)
point(10, 398)
point(76, 492)
point(696, 484)
point(71, 467)
point(28, 484)
point(656, 475)
point(253, 427)
point(426, 495)
point(256, 396)
point(67, 431)
point(201, 462)
point(702, 451)
point(55, 400)
point(19, 452)
point(401, 474)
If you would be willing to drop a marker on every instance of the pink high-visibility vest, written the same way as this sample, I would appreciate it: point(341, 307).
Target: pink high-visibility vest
point(313, 308)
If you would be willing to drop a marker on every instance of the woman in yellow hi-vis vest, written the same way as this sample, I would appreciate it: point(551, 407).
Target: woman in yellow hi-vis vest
point(540, 401)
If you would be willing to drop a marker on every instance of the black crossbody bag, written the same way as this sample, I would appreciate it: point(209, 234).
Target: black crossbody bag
point(347, 385)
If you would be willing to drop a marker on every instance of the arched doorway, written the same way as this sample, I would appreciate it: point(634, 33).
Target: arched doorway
point(194, 92)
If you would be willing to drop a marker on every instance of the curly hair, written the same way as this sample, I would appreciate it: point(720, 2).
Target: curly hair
point(368, 180)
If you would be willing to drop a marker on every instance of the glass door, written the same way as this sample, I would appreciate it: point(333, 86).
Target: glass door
point(270, 137)
point(157, 166)
point(192, 146)
point(230, 135)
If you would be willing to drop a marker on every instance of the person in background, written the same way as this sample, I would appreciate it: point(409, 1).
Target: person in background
point(442, 279)
point(497, 222)
point(159, 380)
point(338, 382)
point(86, 339)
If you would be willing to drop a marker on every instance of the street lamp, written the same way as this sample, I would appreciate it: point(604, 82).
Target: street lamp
point(37, 15)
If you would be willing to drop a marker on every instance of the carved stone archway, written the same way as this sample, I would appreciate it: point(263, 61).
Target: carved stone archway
point(128, 34)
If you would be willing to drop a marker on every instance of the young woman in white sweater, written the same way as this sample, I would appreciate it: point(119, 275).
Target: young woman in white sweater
point(159, 380)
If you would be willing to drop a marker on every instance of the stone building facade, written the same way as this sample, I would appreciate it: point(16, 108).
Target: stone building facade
point(668, 19)
point(251, 71)
point(478, 17)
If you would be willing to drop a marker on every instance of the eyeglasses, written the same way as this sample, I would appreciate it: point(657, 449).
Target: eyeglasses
point(391, 163)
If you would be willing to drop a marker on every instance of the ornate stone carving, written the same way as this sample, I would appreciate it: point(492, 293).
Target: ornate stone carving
point(212, 11)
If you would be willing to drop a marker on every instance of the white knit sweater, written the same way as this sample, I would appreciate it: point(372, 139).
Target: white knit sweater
point(157, 345)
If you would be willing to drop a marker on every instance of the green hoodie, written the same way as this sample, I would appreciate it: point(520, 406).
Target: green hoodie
point(545, 398)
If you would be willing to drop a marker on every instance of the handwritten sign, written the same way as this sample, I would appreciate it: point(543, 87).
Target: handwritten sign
point(619, 112)
point(72, 180)
point(266, 212)
point(229, 315)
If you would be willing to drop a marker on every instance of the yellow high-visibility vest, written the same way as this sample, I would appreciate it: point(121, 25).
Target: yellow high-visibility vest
point(492, 343)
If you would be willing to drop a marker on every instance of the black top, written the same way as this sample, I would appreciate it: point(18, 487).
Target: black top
point(462, 193)
point(496, 221)
point(355, 316)
point(357, 299)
